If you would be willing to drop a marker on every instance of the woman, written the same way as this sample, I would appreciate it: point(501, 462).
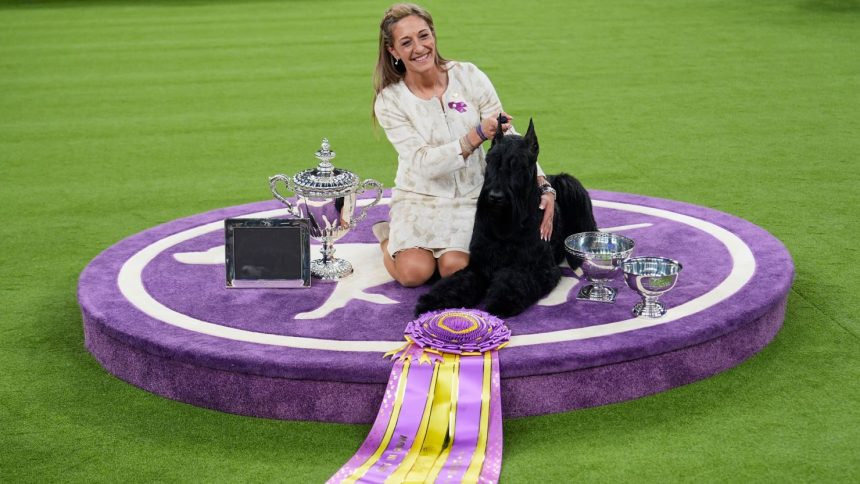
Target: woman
point(437, 114)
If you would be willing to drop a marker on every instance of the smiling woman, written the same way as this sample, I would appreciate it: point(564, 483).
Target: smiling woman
point(437, 114)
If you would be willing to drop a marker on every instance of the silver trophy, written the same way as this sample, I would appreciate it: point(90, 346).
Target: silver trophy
point(602, 254)
point(651, 277)
point(326, 196)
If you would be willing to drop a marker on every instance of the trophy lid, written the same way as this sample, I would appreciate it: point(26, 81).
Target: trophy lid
point(325, 181)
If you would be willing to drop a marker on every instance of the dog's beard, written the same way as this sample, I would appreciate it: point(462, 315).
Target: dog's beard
point(504, 218)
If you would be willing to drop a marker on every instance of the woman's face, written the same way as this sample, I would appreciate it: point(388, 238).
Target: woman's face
point(414, 43)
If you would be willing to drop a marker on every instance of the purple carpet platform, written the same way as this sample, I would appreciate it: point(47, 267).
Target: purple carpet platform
point(157, 314)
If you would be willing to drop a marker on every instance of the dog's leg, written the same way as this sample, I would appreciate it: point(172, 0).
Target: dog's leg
point(463, 289)
point(512, 290)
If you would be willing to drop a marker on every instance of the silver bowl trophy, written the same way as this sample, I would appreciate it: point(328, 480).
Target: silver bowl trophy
point(326, 196)
point(602, 254)
point(651, 277)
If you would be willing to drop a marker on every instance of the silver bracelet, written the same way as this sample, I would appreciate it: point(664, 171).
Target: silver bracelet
point(465, 146)
point(547, 188)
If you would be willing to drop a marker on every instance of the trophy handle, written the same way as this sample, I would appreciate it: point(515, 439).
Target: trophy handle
point(368, 183)
point(273, 185)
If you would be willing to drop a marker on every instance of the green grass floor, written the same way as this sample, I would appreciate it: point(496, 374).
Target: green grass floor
point(119, 115)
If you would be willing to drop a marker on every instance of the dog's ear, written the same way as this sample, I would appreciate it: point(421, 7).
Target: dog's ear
point(531, 140)
point(499, 134)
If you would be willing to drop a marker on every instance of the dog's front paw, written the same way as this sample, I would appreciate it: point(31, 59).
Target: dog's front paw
point(428, 302)
point(504, 307)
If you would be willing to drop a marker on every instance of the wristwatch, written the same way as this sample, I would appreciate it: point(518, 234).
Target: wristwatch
point(547, 188)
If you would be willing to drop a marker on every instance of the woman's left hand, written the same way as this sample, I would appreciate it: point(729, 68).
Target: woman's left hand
point(507, 126)
point(547, 204)
point(490, 125)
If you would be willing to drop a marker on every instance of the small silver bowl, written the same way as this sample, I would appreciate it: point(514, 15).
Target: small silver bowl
point(602, 254)
point(651, 277)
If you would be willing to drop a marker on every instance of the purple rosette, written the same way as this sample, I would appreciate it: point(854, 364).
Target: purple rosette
point(458, 331)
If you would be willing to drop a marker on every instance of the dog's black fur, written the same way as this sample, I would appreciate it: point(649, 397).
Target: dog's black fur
point(510, 266)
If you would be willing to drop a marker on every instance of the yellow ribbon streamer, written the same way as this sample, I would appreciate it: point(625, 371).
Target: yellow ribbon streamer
point(474, 470)
point(437, 430)
point(454, 360)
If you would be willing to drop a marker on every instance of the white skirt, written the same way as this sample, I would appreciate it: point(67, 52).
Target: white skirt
point(437, 224)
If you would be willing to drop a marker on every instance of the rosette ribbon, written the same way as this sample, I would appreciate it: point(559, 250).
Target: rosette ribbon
point(441, 415)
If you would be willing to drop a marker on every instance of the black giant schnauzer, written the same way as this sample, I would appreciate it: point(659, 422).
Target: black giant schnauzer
point(510, 266)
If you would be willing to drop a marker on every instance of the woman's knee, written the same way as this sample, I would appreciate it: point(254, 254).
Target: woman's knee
point(414, 269)
point(414, 275)
point(451, 262)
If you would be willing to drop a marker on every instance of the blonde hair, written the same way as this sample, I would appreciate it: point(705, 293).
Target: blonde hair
point(385, 73)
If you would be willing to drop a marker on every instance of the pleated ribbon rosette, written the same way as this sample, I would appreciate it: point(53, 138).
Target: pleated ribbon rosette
point(441, 416)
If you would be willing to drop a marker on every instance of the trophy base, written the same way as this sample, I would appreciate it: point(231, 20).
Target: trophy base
point(653, 310)
point(597, 294)
point(330, 270)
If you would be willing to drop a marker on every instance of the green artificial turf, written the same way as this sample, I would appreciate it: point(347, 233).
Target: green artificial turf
point(119, 115)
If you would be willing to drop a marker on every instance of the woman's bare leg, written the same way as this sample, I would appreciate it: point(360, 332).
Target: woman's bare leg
point(452, 261)
point(412, 267)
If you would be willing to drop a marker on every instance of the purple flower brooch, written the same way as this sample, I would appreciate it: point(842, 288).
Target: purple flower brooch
point(459, 106)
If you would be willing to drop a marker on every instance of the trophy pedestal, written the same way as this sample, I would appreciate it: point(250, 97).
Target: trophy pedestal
point(330, 270)
point(595, 293)
point(649, 310)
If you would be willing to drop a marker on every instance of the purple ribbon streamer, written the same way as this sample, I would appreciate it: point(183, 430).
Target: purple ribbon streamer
point(377, 432)
point(468, 420)
point(411, 413)
point(493, 455)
